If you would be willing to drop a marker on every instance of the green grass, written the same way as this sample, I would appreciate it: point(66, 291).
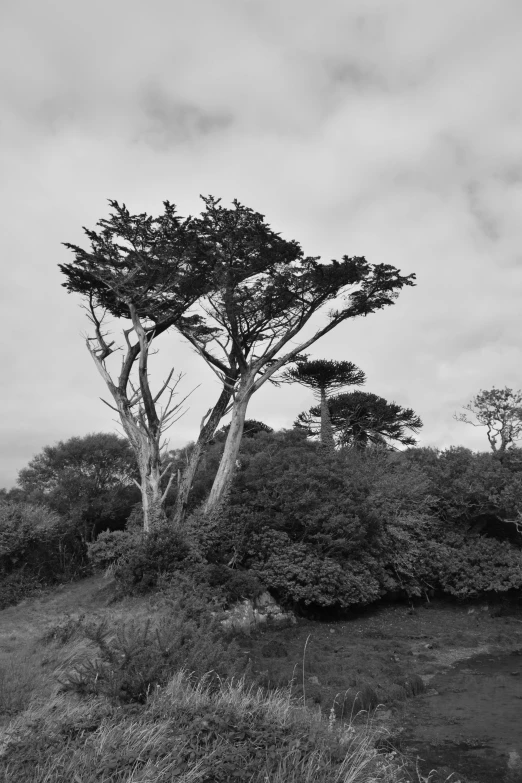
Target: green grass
point(206, 728)
point(192, 731)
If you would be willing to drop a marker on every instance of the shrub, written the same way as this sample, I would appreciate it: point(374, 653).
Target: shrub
point(299, 574)
point(140, 559)
point(420, 553)
point(134, 659)
point(37, 547)
point(473, 491)
point(234, 585)
point(112, 547)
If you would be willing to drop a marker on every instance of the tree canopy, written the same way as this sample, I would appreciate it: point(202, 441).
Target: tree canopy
point(250, 322)
point(89, 479)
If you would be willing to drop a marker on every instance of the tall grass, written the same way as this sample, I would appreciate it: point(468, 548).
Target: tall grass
point(191, 731)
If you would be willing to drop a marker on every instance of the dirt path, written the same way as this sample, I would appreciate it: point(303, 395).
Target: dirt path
point(22, 625)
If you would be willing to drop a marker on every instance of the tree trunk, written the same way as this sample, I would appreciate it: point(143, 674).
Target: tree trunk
point(327, 438)
point(149, 463)
point(206, 433)
point(227, 465)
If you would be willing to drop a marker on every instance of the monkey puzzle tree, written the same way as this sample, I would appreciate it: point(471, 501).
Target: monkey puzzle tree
point(149, 272)
point(251, 320)
point(362, 418)
point(323, 376)
point(500, 411)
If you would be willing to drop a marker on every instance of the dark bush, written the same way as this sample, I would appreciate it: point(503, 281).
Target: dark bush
point(140, 559)
point(234, 585)
point(37, 548)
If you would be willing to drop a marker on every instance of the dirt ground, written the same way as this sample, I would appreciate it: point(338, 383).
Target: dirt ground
point(381, 648)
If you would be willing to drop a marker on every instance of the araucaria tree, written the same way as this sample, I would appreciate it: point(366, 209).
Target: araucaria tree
point(500, 411)
point(323, 376)
point(253, 319)
point(360, 419)
point(147, 272)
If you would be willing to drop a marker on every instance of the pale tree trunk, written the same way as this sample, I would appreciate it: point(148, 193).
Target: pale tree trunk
point(327, 438)
point(205, 435)
point(137, 409)
point(149, 464)
point(227, 465)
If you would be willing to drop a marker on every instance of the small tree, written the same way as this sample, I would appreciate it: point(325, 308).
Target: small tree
point(500, 411)
point(323, 376)
point(252, 318)
point(361, 418)
point(149, 272)
point(89, 480)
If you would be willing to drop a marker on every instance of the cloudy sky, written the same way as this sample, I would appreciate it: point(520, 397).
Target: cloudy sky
point(385, 128)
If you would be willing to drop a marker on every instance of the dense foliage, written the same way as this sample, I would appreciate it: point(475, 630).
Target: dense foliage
point(88, 480)
point(322, 531)
point(37, 548)
point(351, 527)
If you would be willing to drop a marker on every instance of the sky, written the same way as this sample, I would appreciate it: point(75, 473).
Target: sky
point(385, 128)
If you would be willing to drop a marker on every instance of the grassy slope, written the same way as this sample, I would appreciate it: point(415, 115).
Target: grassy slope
point(378, 651)
point(185, 732)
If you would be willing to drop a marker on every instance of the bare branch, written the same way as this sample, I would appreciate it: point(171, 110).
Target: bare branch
point(109, 405)
point(158, 395)
point(168, 487)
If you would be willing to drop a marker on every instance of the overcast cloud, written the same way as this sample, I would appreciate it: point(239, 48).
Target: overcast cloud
point(386, 128)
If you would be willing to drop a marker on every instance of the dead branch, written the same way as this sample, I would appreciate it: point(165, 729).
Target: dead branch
point(158, 395)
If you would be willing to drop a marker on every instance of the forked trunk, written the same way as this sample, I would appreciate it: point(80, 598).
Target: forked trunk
point(206, 433)
point(327, 438)
point(147, 450)
point(227, 465)
point(149, 463)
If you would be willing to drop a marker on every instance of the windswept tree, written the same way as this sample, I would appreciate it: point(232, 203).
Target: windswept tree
point(145, 273)
point(360, 419)
point(323, 377)
point(253, 320)
point(243, 249)
point(151, 271)
point(500, 411)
